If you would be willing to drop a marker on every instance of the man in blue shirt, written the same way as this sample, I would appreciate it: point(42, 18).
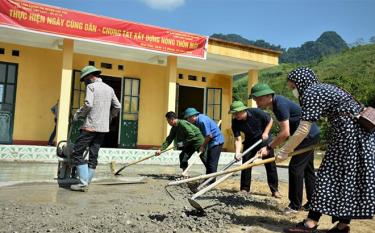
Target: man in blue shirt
point(301, 167)
point(213, 138)
point(255, 124)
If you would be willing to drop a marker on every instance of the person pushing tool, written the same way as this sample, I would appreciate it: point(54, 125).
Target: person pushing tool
point(213, 141)
point(188, 136)
point(301, 167)
point(255, 124)
point(97, 112)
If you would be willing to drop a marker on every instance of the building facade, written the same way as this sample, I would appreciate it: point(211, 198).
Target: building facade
point(37, 69)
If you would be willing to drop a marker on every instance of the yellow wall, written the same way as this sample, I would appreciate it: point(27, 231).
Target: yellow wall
point(245, 54)
point(152, 93)
point(37, 90)
point(214, 81)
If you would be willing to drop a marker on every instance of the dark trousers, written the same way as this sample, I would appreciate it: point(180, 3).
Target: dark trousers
point(301, 167)
point(93, 140)
point(316, 216)
point(271, 170)
point(185, 155)
point(212, 160)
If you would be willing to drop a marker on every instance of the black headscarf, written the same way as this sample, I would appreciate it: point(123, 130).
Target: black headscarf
point(303, 77)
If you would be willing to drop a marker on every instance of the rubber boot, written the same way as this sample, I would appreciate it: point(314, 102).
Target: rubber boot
point(91, 175)
point(83, 173)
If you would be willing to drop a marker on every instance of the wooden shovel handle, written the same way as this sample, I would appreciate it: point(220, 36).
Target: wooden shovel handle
point(240, 168)
point(141, 160)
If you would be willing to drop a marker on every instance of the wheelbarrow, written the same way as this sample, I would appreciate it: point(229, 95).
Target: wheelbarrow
point(66, 173)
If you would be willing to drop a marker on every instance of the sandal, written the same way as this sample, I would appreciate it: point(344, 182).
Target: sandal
point(335, 229)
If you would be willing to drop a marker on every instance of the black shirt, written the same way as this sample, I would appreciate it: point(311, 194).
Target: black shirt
point(285, 109)
point(253, 127)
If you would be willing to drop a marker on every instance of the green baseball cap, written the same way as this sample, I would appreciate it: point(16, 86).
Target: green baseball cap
point(260, 89)
point(236, 106)
point(190, 112)
point(89, 70)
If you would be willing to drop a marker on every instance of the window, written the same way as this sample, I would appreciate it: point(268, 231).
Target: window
point(8, 83)
point(192, 77)
point(106, 65)
point(131, 99)
point(213, 103)
point(78, 92)
point(15, 53)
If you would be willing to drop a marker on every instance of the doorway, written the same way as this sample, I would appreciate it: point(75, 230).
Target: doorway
point(187, 97)
point(111, 139)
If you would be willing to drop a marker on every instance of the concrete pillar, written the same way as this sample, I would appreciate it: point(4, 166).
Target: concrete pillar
point(170, 83)
point(252, 80)
point(65, 90)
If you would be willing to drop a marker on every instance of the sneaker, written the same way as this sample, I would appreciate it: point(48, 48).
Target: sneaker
point(335, 229)
point(301, 228)
point(289, 211)
point(276, 195)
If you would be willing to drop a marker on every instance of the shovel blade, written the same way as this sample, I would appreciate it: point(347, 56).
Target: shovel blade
point(196, 205)
point(121, 169)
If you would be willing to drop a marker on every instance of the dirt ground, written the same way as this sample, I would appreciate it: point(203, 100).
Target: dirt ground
point(147, 207)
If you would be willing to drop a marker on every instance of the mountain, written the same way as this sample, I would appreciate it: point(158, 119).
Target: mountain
point(327, 44)
point(239, 39)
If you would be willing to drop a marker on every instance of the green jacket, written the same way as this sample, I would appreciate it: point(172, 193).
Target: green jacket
point(184, 132)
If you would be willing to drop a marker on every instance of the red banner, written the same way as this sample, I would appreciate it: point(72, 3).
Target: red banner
point(77, 25)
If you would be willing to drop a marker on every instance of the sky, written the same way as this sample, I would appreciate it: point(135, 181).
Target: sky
point(288, 23)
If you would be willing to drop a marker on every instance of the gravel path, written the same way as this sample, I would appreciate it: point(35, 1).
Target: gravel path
point(147, 207)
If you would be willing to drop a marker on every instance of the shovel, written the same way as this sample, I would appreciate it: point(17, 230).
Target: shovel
point(195, 204)
point(140, 160)
point(231, 163)
point(240, 168)
point(248, 164)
